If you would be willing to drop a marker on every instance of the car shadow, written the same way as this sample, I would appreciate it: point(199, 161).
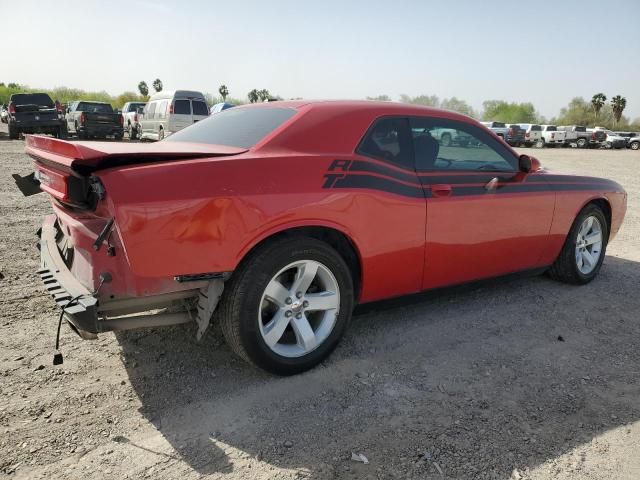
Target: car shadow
point(504, 374)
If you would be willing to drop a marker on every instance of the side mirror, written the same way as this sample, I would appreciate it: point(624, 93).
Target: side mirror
point(528, 164)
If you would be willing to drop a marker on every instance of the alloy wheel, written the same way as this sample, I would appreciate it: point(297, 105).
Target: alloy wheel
point(588, 245)
point(298, 308)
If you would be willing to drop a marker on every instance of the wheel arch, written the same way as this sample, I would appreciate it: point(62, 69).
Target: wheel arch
point(333, 235)
point(604, 205)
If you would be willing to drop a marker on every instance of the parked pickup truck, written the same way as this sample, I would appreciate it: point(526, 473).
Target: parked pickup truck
point(582, 137)
point(551, 136)
point(34, 113)
point(449, 136)
point(515, 135)
point(94, 119)
point(131, 113)
point(532, 134)
point(511, 136)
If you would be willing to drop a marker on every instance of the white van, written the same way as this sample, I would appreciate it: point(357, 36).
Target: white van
point(169, 112)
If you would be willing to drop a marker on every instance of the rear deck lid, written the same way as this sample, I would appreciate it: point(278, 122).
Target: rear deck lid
point(84, 158)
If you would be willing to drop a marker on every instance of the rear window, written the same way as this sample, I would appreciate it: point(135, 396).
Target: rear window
point(536, 128)
point(199, 108)
point(133, 107)
point(498, 125)
point(182, 107)
point(90, 107)
point(581, 129)
point(552, 128)
point(235, 127)
point(40, 99)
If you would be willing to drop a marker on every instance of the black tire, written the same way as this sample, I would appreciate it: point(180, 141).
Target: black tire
point(133, 132)
point(445, 140)
point(160, 134)
point(240, 304)
point(582, 143)
point(14, 134)
point(634, 146)
point(61, 133)
point(565, 268)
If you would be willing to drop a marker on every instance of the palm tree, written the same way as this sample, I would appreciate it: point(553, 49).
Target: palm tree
point(253, 96)
point(598, 102)
point(223, 91)
point(157, 85)
point(143, 88)
point(618, 104)
point(264, 94)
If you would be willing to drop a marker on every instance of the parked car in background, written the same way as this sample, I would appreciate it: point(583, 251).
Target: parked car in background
point(94, 120)
point(551, 136)
point(634, 143)
point(170, 112)
point(131, 113)
point(499, 128)
point(276, 211)
point(515, 135)
point(450, 136)
point(218, 107)
point(532, 134)
point(34, 113)
point(582, 137)
point(628, 136)
point(613, 140)
point(4, 114)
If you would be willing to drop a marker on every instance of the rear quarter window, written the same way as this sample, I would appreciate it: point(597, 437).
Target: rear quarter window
point(235, 127)
point(182, 107)
point(40, 99)
point(199, 108)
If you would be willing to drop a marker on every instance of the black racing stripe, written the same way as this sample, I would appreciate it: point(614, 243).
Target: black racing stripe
point(565, 178)
point(577, 186)
point(371, 167)
point(520, 188)
point(378, 183)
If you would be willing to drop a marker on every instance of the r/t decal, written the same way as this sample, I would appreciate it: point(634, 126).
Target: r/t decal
point(336, 166)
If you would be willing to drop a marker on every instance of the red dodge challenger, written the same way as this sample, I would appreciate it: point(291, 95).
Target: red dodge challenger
point(276, 219)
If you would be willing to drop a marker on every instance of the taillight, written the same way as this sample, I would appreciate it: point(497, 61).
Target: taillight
point(121, 120)
point(510, 132)
point(83, 119)
point(52, 182)
point(12, 108)
point(58, 107)
point(553, 135)
point(170, 109)
point(593, 135)
point(526, 134)
point(135, 117)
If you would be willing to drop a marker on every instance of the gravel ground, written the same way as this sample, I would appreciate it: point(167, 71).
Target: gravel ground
point(520, 378)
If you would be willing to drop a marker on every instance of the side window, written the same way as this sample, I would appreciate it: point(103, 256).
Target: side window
point(151, 110)
point(388, 139)
point(182, 107)
point(161, 111)
point(441, 144)
point(199, 108)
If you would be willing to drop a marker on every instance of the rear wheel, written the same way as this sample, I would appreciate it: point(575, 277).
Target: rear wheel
point(581, 142)
point(287, 306)
point(14, 134)
point(584, 248)
point(160, 134)
point(133, 132)
point(635, 145)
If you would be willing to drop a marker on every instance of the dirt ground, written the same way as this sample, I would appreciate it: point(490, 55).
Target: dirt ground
point(520, 379)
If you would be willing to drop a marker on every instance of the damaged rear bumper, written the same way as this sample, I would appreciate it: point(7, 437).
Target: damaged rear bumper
point(88, 314)
point(60, 283)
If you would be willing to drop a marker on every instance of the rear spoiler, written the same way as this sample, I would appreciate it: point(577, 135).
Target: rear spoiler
point(84, 157)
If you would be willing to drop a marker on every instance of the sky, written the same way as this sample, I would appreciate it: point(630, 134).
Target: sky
point(545, 52)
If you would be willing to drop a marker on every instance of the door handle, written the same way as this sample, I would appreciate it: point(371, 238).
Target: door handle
point(441, 190)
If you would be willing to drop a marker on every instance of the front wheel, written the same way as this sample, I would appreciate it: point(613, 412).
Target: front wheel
point(635, 145)
point(287, 306)
point(582, 143)
point(584, 248)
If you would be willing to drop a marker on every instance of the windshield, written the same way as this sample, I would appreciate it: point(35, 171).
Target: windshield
point(40, 99)
point(235, 127)
point(90, 107)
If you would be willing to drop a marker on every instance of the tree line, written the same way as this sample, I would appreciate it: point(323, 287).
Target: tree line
point(599, 110)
